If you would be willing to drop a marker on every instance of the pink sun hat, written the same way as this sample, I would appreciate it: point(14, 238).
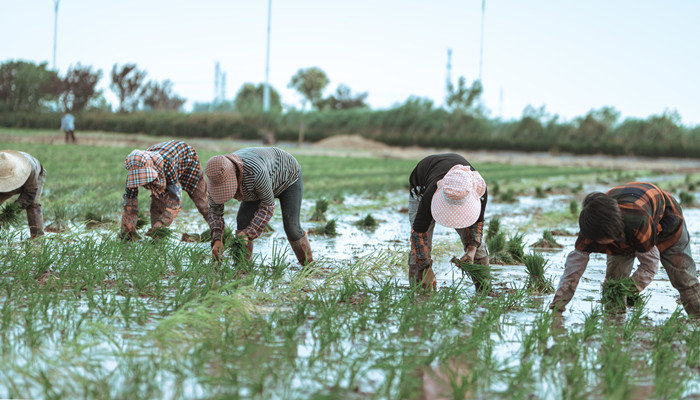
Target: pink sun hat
point(457, 200)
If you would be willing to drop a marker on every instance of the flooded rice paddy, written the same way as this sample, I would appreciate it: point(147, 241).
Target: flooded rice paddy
point(160, 320)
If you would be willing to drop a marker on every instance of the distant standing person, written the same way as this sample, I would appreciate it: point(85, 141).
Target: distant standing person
point(23, 174)
point(255, 176)
point(633, 221)
point(164, 169)
point(68, 126)
point(446, 189)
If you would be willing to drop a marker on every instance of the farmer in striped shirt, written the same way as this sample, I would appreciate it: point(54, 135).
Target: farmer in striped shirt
point(636, 220)
point(256, 176)
point(164, 169)
point(446, 189)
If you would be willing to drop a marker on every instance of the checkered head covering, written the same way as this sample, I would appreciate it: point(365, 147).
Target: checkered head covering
point(222, 179)
point(457, 200)
point(144, 167)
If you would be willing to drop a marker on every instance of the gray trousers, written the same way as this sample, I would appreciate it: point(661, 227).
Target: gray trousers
point(413, 269)
point(679, 265)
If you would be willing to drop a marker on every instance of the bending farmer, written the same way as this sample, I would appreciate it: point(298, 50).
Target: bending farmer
point(446, 189)
point(164, 169)
point(256, 176)
point(636, 220)
point(23, 174)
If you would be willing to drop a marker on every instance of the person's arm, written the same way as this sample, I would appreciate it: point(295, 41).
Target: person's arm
point(260, 220)
point(173, 205)
point(647, 269)
point(130, 213)
point(215, 218)
point(575, 266)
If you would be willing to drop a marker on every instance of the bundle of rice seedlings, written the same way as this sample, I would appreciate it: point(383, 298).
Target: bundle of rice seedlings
point(368, 222)
point(547, 241)
point(161, 232)
point(320, 210)
point(494, 228)
point(573, 207)
point(616, 292)
point(330, 228)
point(515, 247)
point(205, 236)
point(479, 274)
point(94, 219)
point(536, 265)
point(236, 247)
point(143, 220)
point(11, 214)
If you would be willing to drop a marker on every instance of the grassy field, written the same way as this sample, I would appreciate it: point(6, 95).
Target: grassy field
point(84, 315)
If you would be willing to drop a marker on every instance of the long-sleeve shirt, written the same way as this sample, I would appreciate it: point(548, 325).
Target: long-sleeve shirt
point(29, 191)
point(652, 220)
point(180, 167)
point(264, 173)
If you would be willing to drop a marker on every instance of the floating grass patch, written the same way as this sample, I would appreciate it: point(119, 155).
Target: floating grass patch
point(547, 241)
point(616, 293)
point(536, 266)
point(319, 214)
point(479, 274)
point(368, 222)
point(10, 214)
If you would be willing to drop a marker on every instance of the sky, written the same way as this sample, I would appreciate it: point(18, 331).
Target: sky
point(640, 57)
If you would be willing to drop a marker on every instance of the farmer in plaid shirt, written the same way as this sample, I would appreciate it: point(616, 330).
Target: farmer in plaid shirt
point(164, 169)
point(636, 220)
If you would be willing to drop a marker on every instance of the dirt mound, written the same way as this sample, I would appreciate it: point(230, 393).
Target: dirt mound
point(350, 142)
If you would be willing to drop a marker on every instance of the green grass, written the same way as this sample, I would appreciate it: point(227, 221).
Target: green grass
point(85, 315)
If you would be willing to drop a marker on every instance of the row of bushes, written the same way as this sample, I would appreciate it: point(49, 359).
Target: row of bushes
point(412, 124)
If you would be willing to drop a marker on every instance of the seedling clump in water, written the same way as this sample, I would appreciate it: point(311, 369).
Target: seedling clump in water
point(320, 210)
point(368, 222)
point(618, 293)
point(547, 241)
point(536, 266)
point(10, 214)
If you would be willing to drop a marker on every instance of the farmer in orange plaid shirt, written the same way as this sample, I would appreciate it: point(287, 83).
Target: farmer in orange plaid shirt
point(164, 169)
point(635, 220)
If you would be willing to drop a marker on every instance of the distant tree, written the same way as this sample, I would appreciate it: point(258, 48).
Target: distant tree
point(25, 86)
point(127, 85)
point(343, 100)
point(463, 98)
point(249, 99)
point(78, 87)
point(310, 83)
point(160, 97)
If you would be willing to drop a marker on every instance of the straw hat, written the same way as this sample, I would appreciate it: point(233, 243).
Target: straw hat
point(222, 179)
point(457, 200)
point(141, 167)
point(14, 170)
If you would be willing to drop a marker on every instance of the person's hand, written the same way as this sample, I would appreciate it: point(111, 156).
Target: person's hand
point(468, 256)
point(153, 229)
point(216, 250)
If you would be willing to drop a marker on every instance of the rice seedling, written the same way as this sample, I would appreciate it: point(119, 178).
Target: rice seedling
point(687, 198)
point(508, 196)
point(536, 266)
point(328, 229)
point(515, 247)
point(95, 219)
point(540, 193)
point(493, 228)
point(319, 214)
point(11, 214)
point(479, 274)
point(236, 248)
point(368, 222)
point(547, 241)
point(161, 232)
point(615, 293)
point(573, 207)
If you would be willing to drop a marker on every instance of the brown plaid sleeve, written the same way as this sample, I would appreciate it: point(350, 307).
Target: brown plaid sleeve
point(260, 221)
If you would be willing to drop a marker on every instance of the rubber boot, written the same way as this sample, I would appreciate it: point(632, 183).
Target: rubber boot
point(302, 249)
point(690, 298)
point(429, 282)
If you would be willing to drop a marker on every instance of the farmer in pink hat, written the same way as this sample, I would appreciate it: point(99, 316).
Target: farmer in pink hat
point(24, 175)
point(164, 169)
point(446, 189)
point(255, 176)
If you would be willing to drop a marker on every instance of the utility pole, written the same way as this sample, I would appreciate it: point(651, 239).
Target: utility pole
point(55, 30)
point(481, 50)
point(448, 81)
point(266, 89)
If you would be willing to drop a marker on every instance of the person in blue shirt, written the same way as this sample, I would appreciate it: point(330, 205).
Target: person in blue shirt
point(68, 126)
